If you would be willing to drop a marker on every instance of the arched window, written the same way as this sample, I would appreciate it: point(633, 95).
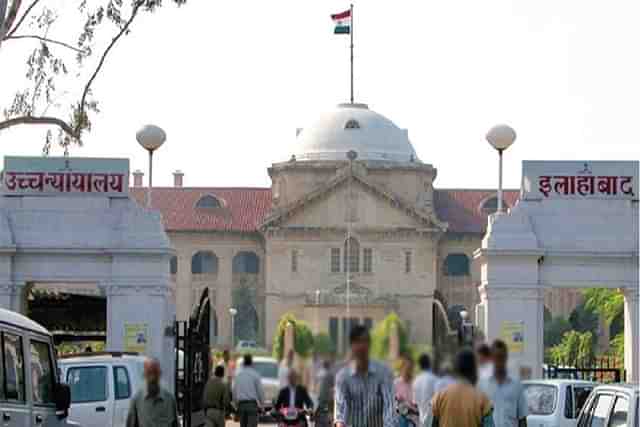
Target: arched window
point(246, 262)
point(173, 265)
point(456, 265)
point(352, 255)
point(208, 202)
point(352, 124)
point(204, 262)
point(490, 206)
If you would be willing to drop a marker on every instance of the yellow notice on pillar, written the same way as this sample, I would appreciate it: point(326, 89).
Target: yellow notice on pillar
point(136, 337)
point(512, 333)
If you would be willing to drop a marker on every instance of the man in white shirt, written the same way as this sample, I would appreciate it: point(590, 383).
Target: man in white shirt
point(247, 393)
point(485, 362)
point(424, 388)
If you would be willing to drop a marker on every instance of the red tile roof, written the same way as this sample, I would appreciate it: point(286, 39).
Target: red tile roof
point(245, 208)
point(461, 208)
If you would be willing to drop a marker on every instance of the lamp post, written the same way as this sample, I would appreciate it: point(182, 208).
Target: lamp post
point(501, 137)
point(317, 319)
point(233, 312)
point(466, 334)
point(352, 155)
point(150, 137)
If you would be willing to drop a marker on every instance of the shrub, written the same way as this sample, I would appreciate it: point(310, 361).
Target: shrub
point(382, 332)
point(303, 337)
point(322, 344)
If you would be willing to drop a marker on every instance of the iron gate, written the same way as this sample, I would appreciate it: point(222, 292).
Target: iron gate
point(193, 362)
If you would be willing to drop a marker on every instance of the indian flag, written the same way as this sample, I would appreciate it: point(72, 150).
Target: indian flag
point(343, 22)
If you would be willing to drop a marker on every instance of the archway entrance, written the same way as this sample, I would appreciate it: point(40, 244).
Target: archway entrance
point(576, 226)
point(70, 222)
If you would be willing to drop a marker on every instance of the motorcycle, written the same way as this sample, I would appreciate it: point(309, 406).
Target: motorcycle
point(408, 413)
point(291, 417)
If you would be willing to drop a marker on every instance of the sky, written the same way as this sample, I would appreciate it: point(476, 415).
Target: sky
point(231, 81)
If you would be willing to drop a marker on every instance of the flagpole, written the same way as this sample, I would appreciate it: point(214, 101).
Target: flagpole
point(351, 33)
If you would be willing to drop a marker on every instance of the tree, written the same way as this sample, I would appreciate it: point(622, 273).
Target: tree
point(382, 332)
point(584, 319)
point(554, 330)
point(575, 349)
point(303, 337)
point(609, 303)
point(322, 344)
point(59, 65)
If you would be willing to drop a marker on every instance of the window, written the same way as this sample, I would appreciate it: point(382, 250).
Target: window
point(367, 261)
point(173, 265)
point(368, 323)
point(208, 202)
point(351, 255)
point(541, 399)
point(568, 403)
point(246, 262)
point(335, 260)
point(620, 413)
point(88, 384)
point(294, 261)
point(333, 331)
point(352, 124)
point(13, 368)
point(456, 265)
point(121, 382)
point(581, 394)
point(204, 262)
point(407, 261)
point(42, 373)
point(600, 410)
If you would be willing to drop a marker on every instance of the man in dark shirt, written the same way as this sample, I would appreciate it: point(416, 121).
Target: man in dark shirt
point(216, 398)
point(152, 406)
point(294, 395)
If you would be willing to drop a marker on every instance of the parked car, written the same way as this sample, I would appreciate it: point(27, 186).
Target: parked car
point(102, 385)
point(555, 403)
point(30, 393)
point(612, 405)
point(267, 367)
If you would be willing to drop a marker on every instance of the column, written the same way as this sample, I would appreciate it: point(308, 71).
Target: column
point(516, 311)
point(12, 296)
point(631, 331)
point(183, 286)
point(223, 296)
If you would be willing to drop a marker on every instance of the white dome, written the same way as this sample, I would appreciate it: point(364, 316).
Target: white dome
point(354, 127)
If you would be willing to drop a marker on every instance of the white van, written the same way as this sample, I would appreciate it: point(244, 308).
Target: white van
point(102, 385)
point(555, 403)
point(30, 393)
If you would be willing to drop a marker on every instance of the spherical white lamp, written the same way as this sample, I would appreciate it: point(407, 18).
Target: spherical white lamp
point(501, 137)
point(150, 137)
point(464, 314)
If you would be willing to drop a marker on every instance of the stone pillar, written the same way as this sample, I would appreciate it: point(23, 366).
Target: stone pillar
point(631, 332)
point(142, 304)
point(12, 296)
point(223, 296)
point(183, 287)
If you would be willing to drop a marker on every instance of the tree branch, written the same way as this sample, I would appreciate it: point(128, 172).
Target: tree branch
point(44, 39)
point(30, 120)
point(87, 88)
point(11, 16)
point(22, 18)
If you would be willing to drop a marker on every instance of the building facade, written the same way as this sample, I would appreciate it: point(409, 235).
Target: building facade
point(333, 240)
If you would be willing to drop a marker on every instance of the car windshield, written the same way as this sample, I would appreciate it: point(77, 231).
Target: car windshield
point(266, 369)
point(541, 398)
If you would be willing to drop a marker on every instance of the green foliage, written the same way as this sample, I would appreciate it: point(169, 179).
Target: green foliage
point(554, 330)
point(303, 337)
point(575, 349)
point(605, 302)
point(382, 332)
point(322, 344)
point(584, 319)
point(617, 346)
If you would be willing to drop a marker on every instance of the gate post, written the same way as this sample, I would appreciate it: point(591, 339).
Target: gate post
point(631, 331)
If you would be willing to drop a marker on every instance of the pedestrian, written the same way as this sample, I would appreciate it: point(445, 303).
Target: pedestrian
point(325, 408)
point(286, 364)
point(216, 398)
point(364, 388)
point(403, 387)
point(504, 391)
point(424, 387)
point(462, 404)
point(446, 376)
point(152, 406)
point(247, 393)
point(485, 362)
point(227, 365)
